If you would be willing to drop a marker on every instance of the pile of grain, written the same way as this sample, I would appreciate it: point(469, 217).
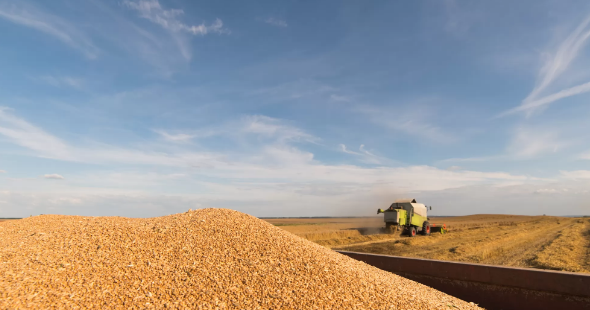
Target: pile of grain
point(204, 259)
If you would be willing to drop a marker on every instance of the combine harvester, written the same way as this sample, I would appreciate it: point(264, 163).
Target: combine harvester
point(492, 287)
point(411, 216)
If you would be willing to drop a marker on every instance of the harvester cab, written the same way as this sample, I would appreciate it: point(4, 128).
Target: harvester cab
point(410, 216)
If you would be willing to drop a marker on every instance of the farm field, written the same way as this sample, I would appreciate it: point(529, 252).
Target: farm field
point(545, 242)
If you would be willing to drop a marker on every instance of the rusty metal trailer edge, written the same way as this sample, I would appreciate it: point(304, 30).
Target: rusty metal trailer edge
point(492, 287)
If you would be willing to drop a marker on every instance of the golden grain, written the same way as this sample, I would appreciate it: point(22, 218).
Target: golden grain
point(568, 252)
point(202, 259)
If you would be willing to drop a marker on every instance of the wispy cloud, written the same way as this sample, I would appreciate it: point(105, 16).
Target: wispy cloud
point(272, 161)
point(530, 106)
point(260, 126)
point(347, 151)
point(2, 171)
point(585, 155)
point(336, 98)
point(61, 81)
point(555, 66)
point(169, 19)
point(178, 137)
point(272, 127)
point(53, 176)
point(31, 137)
point(530, 142)
point(472, 159)
point(526, 142)
point(295, 90)
point(274, 133)
point(166, 53)
point(269, 171)
point(414, 121)
point(365, 156)
point(45, 145)
point(276, 22)
point(29, 16)
point(576, 175)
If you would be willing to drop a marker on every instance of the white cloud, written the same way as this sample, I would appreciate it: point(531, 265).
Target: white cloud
point(53, 176)
point(166, 53)
point(296, 165)
point(287, 177)
point(31, 137)
point(168, 19)
point(473, 159)
point(275, 160)
point(29, 16)
point(584, 156)
point(276, 22)
point(531, 105)
point(260, 126)
point(272, 127)
point(254, 178)
point(364, 155)
point(362, 149)
point(2, 171)
point(576, 175)
point(61, 81)
point(177, 30)
point(562, 191)
point(530, 142)
point(415, 121)
point(178, 137)
point(65, 200)
point(276, 156)
point(347, 151)
point(555, 66)
point(546, 191)
point(526, 199)
point(46, 145)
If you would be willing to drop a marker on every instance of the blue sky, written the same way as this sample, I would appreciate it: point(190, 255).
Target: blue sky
point(145, 108)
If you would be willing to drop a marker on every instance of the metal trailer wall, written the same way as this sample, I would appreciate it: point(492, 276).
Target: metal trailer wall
point(491, 287)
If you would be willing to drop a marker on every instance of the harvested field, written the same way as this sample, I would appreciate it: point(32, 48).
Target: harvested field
point(203, 259)
point(546, 242)
point(334, 231)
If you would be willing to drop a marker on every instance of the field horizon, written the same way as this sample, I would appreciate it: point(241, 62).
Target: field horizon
point(543, 242)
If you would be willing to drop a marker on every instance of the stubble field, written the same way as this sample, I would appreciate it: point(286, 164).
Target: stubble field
point(545, 242)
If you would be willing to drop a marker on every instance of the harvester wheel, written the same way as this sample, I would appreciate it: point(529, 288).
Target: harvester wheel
point(426, 228)
point(412, 232)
